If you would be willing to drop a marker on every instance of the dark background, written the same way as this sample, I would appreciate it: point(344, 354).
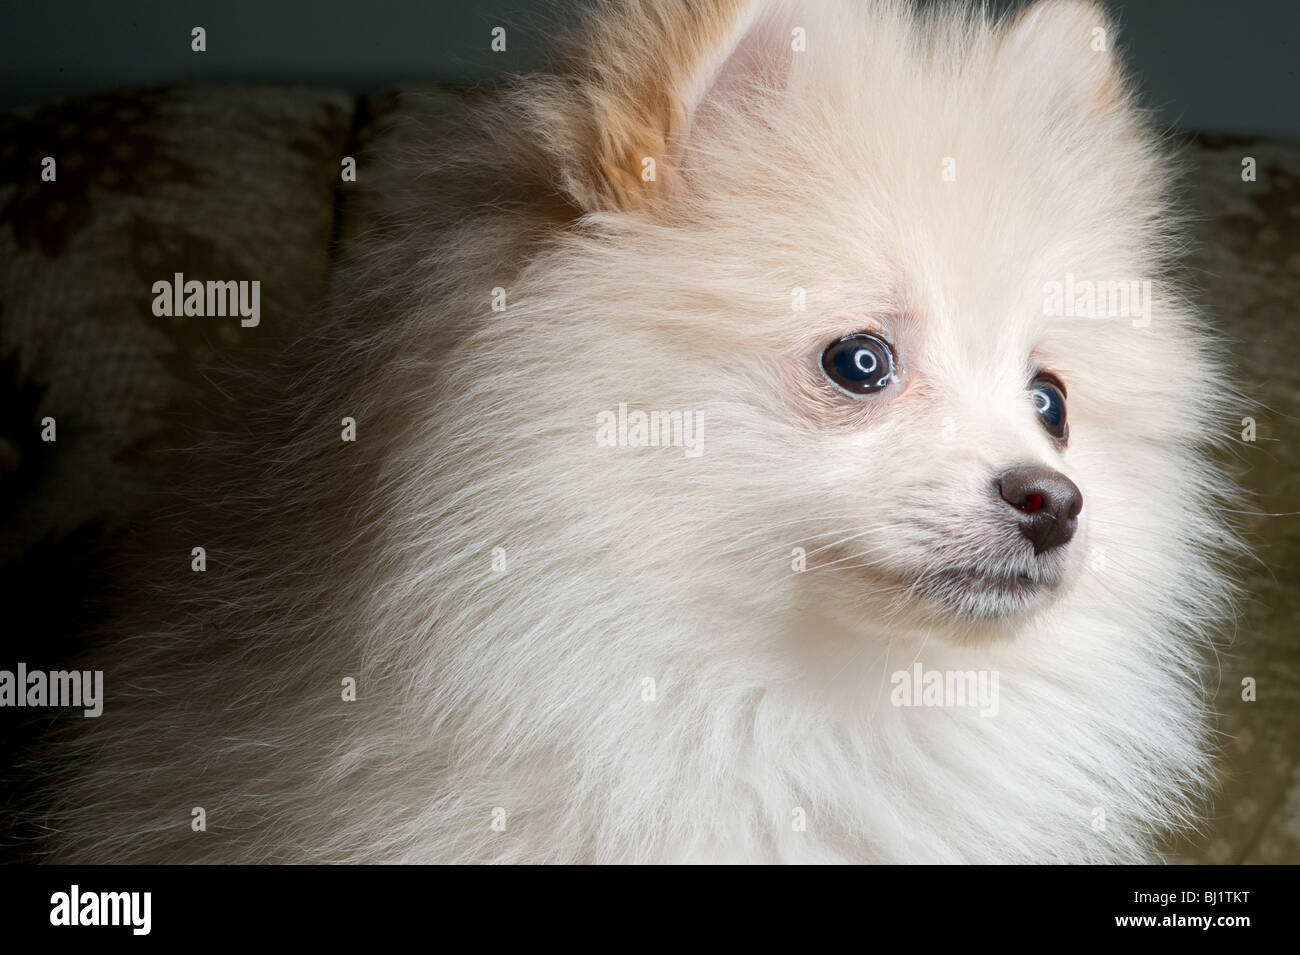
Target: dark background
point(1223, 65)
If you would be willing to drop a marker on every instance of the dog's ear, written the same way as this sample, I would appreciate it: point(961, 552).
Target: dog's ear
point(641, 78)
point(1063, 51)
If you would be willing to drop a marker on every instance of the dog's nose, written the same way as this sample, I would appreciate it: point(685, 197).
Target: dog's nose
point(1047, 503)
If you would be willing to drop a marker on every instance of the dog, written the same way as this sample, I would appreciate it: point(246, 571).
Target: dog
point(770, 435)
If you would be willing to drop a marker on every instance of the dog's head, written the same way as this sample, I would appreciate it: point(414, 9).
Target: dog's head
point(907, 271)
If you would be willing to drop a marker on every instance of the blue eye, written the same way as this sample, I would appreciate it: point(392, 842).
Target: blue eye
point(860, 364)
point(1048, 396)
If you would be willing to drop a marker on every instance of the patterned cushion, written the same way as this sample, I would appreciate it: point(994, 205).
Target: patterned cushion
point(1246, 265)
point(219, 183)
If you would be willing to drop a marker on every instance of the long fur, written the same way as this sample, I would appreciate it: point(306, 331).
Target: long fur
point(523, 695)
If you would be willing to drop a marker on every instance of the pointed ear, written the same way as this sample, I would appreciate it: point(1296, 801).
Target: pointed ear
point(1065, 51)
point(640, 76)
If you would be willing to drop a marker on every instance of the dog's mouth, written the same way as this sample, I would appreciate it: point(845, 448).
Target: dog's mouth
point(982, 592)
point(979, 580)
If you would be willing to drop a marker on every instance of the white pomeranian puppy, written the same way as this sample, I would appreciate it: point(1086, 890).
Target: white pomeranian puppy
point(770, 436)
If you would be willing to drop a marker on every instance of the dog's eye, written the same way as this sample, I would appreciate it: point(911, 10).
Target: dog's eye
point(1049, 401)
point(860, 364)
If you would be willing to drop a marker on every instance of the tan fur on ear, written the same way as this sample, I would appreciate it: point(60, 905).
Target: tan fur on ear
point(634, 70)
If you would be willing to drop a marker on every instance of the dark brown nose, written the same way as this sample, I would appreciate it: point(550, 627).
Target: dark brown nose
point(1047, 504)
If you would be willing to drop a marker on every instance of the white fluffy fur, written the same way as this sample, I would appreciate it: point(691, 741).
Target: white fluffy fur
point(523, 690)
